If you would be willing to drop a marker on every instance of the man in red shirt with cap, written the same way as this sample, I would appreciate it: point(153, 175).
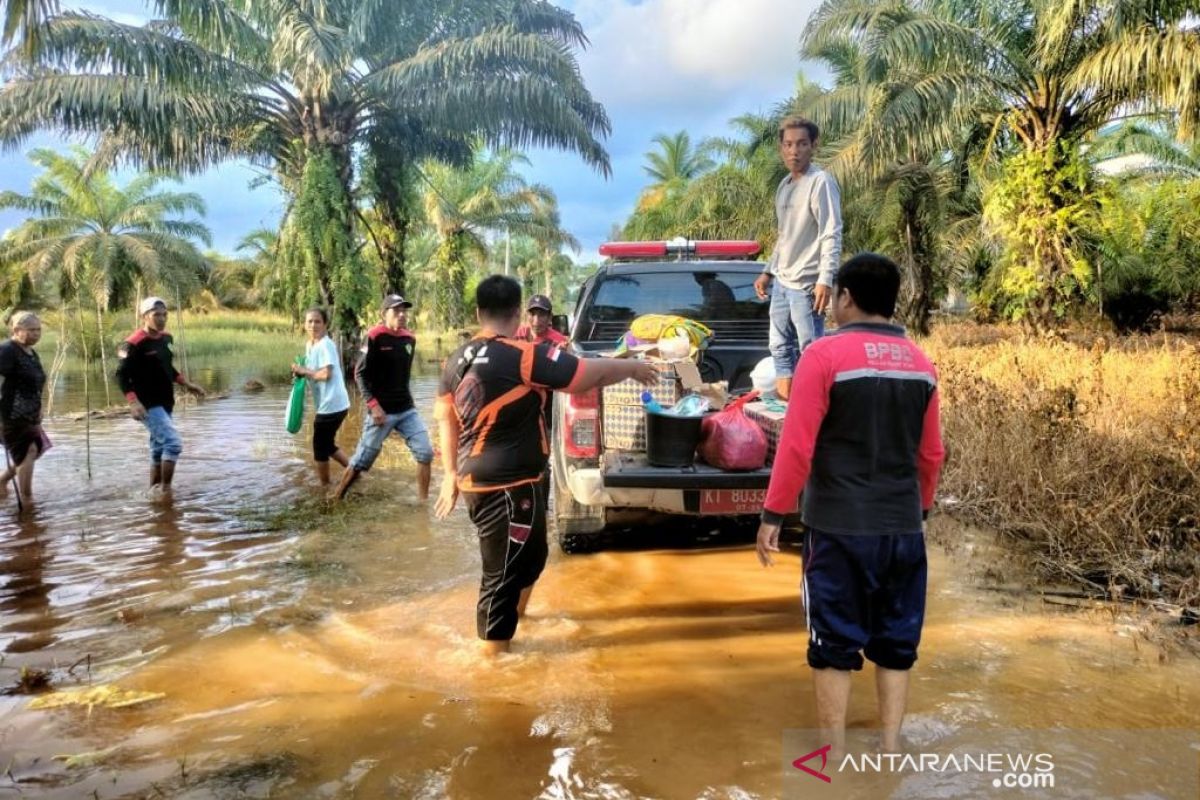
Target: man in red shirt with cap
point(538, 315)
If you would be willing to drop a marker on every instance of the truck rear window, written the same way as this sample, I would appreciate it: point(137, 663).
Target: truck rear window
point(724, 300)
point(704, 296)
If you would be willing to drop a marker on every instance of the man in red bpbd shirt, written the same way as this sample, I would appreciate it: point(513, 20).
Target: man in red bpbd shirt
point(494, 446)
point(863, 441)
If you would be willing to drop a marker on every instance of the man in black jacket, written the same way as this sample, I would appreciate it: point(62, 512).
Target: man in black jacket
point(147, 376)
point(382, 375)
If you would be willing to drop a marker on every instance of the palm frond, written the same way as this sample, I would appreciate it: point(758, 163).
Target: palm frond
point(1158, 67)
point(218, 27)
point(174, 129)
point(87, 43)
point(21, 22)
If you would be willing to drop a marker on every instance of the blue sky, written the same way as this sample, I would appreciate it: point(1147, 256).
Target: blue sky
point(656, 65)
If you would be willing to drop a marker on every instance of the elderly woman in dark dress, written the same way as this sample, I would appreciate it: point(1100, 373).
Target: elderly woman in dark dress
point(21, 403)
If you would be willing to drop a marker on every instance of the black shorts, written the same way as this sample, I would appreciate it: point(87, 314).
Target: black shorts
point(325, 428)
point(511, 524)
point(863, 595)
point(18, 438)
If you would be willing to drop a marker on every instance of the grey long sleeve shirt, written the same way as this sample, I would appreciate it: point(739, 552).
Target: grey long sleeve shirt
point(809, 212)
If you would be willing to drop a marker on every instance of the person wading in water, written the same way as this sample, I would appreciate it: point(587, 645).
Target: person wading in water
point(147, 376)
point(323, 368)
point(21, 404)
point(862, 439)
point(494, 446)
point(382, 374)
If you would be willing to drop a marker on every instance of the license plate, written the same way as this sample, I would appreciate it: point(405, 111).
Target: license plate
point(732, 501)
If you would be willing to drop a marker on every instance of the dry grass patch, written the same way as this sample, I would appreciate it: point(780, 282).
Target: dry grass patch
point(1087, 450)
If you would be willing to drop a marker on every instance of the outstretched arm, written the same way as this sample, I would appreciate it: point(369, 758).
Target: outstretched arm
point(594, 373)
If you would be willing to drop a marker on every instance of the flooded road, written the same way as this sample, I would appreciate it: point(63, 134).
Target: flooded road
point(308, 651)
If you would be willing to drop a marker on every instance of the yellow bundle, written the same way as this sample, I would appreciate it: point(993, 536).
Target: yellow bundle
point(652, 327)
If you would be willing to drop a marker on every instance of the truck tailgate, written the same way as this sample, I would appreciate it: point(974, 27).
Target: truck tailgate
point(631, 470)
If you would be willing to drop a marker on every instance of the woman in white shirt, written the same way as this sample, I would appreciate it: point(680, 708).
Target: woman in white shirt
point(323, 368)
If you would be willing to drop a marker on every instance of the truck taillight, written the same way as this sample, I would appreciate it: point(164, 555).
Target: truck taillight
point(581, 425)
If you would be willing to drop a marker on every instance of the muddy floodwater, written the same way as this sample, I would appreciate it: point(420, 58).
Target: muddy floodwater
point(302, 651)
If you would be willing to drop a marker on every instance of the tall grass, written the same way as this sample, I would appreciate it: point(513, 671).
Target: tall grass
point(1086, 451)
point(203, 334)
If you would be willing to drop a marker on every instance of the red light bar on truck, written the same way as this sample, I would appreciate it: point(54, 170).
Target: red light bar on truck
point(681, 248)
point(727, 248)
point(633, 249)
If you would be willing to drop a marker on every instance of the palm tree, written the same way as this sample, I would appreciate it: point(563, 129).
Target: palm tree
point(897, 191)
point(726, 198)
point(676, 160)
point(279, 82)
point(1148, 229)
point(672, 167)
point(737, 199)
point(464, 205)
point(98, 240)
point(1040, 75)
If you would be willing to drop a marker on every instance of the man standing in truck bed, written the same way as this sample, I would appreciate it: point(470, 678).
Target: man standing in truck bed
point(494, 446)
point(808, 207)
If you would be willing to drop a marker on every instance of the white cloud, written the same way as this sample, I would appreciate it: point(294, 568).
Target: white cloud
point(676, 54)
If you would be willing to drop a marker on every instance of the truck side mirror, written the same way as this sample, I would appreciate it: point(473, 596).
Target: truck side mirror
point(559, 323)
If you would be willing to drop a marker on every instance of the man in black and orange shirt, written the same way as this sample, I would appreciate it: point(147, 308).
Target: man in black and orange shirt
point(147, 375)
point(382, 375)
point(494, 446)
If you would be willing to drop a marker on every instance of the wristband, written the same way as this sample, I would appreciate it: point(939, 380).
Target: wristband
point(772, 517)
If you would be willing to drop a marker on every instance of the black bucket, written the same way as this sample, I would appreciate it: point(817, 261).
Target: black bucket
point(671, 441)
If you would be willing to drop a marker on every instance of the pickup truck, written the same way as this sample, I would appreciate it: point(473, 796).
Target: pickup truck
point(597, 487)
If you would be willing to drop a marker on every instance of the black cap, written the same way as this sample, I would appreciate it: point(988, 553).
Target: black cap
point(539, 301)
point(394, 301)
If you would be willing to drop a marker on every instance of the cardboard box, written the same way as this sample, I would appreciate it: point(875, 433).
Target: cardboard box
point(771, 422)
point(624, 416)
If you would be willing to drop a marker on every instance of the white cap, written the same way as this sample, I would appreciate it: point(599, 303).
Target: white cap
point(149, 304)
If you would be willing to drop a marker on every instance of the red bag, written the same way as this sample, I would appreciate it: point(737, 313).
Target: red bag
point(732, 441)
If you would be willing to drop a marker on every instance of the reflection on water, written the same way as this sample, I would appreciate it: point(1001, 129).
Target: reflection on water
point(309, 651)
